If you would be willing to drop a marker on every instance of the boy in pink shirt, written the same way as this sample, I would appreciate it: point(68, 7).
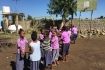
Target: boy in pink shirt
point(55, 47)
point(65, 36)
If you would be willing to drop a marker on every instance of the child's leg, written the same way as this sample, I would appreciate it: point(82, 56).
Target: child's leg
point(64, 52)
point(68, 49)
point(54, 57)
point(57, 57)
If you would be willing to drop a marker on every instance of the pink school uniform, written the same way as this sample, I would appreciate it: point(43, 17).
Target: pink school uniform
point(55, 48)
point(66, 42)
point(65, 36)
point(74, 30)
point(55, 42)
point(21, 43)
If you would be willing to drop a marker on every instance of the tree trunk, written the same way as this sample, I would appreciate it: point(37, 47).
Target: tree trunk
point(79, 22)
point(72, 16)
point(63, 23)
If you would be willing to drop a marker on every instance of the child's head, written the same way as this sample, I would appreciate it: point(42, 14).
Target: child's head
point(54, 33)
point(64, 28)
point(41, 31)
point(21, 33)
point(34, 36)
point(46, 33)
point(68, 28)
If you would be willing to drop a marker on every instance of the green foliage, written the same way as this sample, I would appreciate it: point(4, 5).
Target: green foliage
point(101, 17)
point(62, 7)
point(29, 17)
point(21, 15)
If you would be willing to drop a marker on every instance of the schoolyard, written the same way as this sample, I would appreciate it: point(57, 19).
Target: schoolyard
point(86, 54)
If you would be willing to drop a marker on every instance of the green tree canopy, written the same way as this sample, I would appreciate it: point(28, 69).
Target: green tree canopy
point(29, 17)
point(62, 7)
point(101, 17)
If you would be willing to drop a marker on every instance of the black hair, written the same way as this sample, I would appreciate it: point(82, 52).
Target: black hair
point(41, 30)
point(21, 30)
point(65, 28)
point(34, 36)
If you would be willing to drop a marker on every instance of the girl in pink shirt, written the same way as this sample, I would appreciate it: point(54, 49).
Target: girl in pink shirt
point(55, 47)
point(21, 49)
point(65, 37)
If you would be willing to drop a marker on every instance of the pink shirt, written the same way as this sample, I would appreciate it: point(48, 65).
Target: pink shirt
point(75, 30)
point(41, 36)
point(55, 42)
point(21, 43)
point(50, 35)
point(65, 37)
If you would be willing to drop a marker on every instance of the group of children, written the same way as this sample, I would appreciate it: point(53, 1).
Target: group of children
point(45, 48)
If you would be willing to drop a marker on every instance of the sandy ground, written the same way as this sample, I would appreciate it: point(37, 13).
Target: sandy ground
point(86, 54)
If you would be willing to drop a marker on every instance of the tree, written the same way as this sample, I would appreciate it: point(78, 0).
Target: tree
point(21, 15)
point(63, 8)
point(101, 17)
point(29, 17)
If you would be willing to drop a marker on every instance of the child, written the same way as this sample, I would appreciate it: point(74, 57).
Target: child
point(35, 55)
point(21, 48)
point(69, 31)
point(50, 33)
point(55, 47)
point(41, 38)
point(41, 35)
point(47, 49)
point(66, 42)
point(74, 33)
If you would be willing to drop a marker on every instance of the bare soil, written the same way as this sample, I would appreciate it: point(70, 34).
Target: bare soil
point(86, 54)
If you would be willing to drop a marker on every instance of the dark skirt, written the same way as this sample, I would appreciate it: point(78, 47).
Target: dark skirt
point(66, 47)
point(74, 37)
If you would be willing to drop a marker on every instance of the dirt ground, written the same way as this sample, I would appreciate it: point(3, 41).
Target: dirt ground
point(86, 54)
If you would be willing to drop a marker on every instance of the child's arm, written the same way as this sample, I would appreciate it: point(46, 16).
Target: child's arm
point(30, 49)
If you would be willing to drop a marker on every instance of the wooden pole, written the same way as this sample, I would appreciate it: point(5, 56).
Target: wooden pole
point(91, 22)
point(79, 22)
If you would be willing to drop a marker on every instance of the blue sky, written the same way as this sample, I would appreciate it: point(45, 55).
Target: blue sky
point(38, 8)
